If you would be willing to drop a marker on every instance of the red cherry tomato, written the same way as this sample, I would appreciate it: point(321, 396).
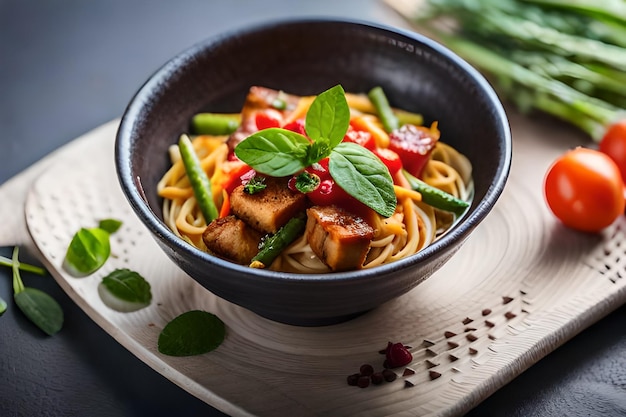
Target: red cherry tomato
point(613, 144)
point(238, 176)
point(296, 126)
point(268, 118)
point(328, 192)
point(389, 158)
point(584, 190)
point(360, 137)
point(414, 144)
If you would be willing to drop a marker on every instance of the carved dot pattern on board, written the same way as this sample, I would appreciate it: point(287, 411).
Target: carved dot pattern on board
point(609, 258)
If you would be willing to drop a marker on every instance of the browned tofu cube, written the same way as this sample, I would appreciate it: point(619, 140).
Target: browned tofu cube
point(231, 238)
point(339, 238)
point(267, 210)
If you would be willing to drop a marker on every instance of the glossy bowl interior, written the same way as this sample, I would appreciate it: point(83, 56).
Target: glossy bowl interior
point(307, 57)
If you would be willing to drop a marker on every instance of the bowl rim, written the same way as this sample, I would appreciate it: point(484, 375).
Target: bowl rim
point(135, 194)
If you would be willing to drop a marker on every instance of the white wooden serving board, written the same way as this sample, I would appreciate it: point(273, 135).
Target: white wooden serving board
point(520, 286)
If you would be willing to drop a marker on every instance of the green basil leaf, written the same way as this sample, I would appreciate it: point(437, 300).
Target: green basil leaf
point(328, 117)
point(362, 175)
point(87, 252)
point(275, 151)
point(192, 333)
point(41, 309)
point(124, 290)
point(110, 225)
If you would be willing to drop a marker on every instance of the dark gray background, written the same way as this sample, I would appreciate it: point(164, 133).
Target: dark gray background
point(67, 66)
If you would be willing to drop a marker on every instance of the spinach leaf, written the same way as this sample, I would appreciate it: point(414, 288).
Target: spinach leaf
point(39, 307)
point(277, 152)
point(192, 333)
point(362, 175)
point(125, 291)
point(87, 252)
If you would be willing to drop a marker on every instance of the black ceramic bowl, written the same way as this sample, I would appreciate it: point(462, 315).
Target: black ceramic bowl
point(307, 57)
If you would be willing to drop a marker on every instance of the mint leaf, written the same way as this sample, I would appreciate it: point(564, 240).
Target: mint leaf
point(275, 151)
point(328, 118)
point(362, 175)
point(125, 291)
point(192, 333)
point(87, 252)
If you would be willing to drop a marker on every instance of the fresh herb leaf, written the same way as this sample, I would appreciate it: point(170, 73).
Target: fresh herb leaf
point(277, 152)
point(124, 290)
point(307, 182)
point(110, 225)
point(192, 333)
point(87, 252)
point(328, 118)
point(39, 307)
point(317, 151)
point(362, 175)
point(255, 184)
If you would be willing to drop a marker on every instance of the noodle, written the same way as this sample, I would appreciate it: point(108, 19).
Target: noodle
point(414, 225)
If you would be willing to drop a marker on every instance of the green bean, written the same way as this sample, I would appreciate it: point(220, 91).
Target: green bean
point(437, 198)
point(197, 177)
point(215, 123)
point(384, 110)
point(275, 244)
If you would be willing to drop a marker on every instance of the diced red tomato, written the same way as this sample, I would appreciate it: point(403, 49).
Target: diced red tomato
point(268, 118)
point(390, 158)
point(327, 192)
point(296, 126)
point(414, 144)
point(360, 137)
point(236, 177)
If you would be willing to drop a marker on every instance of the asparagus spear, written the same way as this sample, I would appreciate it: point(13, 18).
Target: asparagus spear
point(275, 244)
point(568, 59)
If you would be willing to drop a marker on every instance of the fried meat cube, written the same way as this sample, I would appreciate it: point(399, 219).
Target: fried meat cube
point(231, 238)
point(260, 99)
point(339, 238)
point(269, 209)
